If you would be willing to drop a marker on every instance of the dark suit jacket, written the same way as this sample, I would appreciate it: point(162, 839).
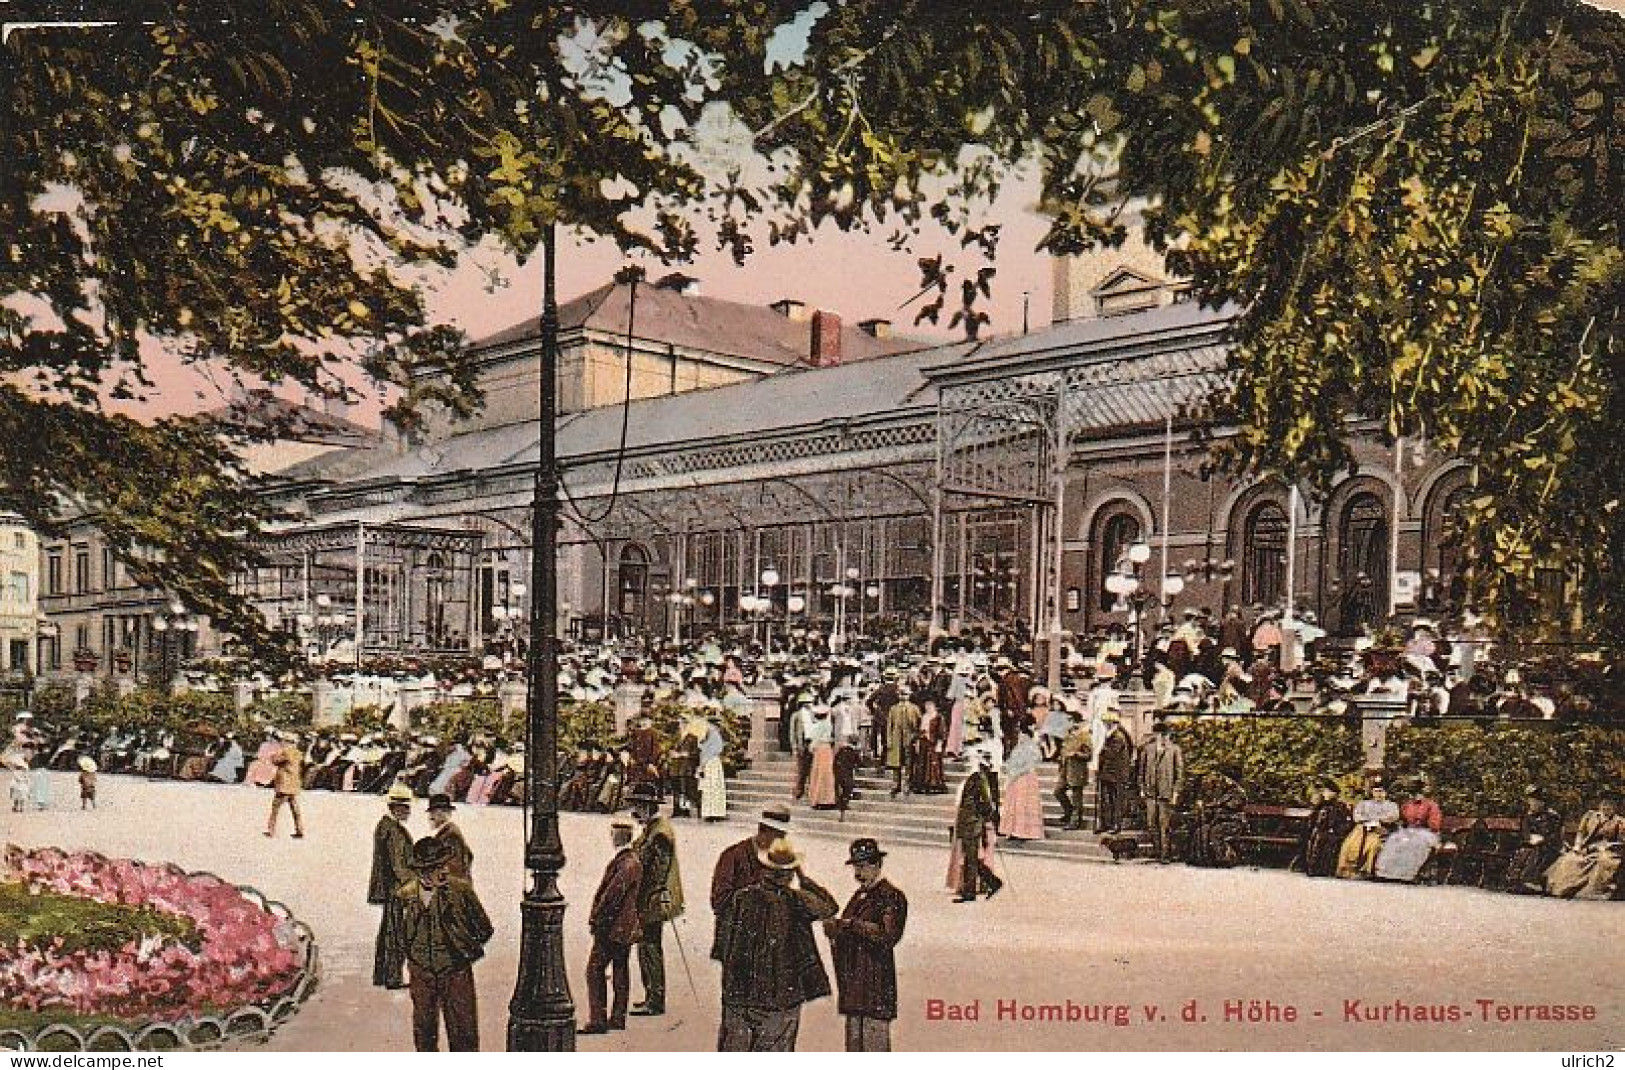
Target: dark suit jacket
point(462, 856)
point(737, 868)
point(861, 946)
point(614, 914)
point(978, 807)
point(391, 859)
point(765, 943)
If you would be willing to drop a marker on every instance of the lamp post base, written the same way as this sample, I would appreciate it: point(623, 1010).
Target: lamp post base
point(541, 1014)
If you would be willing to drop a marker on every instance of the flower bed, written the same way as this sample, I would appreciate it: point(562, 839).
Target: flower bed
point(158, 957)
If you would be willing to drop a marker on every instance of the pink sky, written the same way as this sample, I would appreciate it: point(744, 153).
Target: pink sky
point(856, 275)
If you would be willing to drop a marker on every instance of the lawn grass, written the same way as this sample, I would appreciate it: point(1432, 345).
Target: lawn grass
point(39, 918)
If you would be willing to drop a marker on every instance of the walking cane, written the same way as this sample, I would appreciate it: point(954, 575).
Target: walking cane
point(682, 953)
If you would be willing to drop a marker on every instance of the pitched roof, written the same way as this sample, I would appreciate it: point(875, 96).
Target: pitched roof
point(753, 332)
point(262, 411)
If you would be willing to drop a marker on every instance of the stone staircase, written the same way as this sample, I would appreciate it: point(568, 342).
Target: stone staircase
point(922, 820)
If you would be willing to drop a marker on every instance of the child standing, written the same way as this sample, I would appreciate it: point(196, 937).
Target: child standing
point(87, 783)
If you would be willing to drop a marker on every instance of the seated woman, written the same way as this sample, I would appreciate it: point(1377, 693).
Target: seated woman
point(1329, 824)
point(1373, 818)
point(1407, 850)
point(577, 791)
point(1589, 867)
point(1220, 819)
point(1540, 840)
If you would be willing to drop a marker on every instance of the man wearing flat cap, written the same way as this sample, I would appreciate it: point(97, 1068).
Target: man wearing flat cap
point(443, 932)
point(862, 944)
point(391, 868)
point(770, 960)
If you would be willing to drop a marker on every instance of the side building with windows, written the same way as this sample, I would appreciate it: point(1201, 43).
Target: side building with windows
point(19, 596)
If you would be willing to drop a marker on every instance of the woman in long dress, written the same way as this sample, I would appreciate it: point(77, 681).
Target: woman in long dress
point(1373, 818)
point(1022, 815)
point(713, 785)
point(1589, 867)
point(1329, 824)
point(1407, 850)
point(925, 770)
point(821, 778)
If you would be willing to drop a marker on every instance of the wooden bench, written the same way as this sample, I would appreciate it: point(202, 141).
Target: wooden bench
point(1473, 850)
point(1274, 832)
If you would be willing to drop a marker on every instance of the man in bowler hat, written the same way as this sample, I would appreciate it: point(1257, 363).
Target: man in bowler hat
point(862, 944)
point(443, 932)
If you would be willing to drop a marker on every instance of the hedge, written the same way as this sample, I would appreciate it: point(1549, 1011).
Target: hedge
point(595, 721)
point(1476, 768)
point(1277, 760)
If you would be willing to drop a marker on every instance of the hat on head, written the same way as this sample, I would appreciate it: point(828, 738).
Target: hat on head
point(645, 795)
point(776, 818)
point(1110, 716)
point(440, 804)
point(399, 795)
point(780, 854)
point(430, 852)
point(623, 823)
point(87, 763)
point(865, 851)
point(24, 715)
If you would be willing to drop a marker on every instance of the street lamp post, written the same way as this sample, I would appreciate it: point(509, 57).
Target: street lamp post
point(541, 1014)
point(770, 580)
point(1126, 583)
point(172, 626)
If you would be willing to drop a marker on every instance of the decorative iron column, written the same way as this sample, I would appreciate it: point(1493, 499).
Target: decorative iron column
point(541, 1014)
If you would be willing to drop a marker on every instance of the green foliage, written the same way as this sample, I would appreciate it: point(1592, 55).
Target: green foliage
point(366, 718)
point(1277, 760)
point(462, 719)
point(283, 709)
point(53, 706)
point(583, 721)
point(40, 919)
point(1483, 769)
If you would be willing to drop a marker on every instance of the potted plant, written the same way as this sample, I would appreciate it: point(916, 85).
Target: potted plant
point(86, 660)
point(123, 660)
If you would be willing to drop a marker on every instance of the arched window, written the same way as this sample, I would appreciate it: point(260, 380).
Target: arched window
point(1263, 580)
point(1445, 579)
point(1117, 531)
point(633, 582)
point(1362, 563)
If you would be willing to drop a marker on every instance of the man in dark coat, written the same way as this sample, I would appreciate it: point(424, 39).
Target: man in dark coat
point(443, 932)
point(660, 895)
point(391, 868)
point(615, 926)
point(770, 960)
point(862, 943)
point(447, 832)
point(644, 746)
point(1329, 823)
point(978, 809)
point(880, 704)
point(739, 866)
point(1113, 773)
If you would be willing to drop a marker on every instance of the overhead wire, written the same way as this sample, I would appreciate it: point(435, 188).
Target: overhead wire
point(631, 275)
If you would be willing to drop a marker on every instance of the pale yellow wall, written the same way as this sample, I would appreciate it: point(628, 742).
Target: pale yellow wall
point(1075, 276)
point(19, 608)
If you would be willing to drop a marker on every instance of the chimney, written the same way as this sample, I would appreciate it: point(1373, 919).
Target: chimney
point(790, 309)
point(826, 339)
point(875, 328)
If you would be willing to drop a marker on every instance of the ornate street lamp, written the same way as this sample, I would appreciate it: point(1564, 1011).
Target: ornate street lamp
point(541, 1014)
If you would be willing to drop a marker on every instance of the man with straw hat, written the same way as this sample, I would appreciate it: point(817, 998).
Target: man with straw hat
point(391, 868)
point(738, 866)
point(770, 960)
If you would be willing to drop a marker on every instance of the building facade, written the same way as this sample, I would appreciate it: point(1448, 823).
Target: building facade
point(19, 595)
